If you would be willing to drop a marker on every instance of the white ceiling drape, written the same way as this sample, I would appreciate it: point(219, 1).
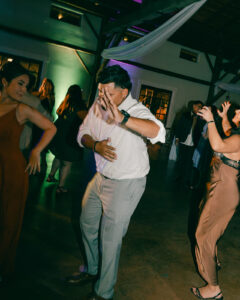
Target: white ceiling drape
point(154, 39)
point(228, 87)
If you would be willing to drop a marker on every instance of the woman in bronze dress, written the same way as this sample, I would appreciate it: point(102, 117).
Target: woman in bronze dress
point(14, 82)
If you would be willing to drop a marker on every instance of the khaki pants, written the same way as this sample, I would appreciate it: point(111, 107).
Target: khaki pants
point(221, 202)
point(107, 207)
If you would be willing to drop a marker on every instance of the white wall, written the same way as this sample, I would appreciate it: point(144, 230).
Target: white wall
point(167, 58)
point(60, 64)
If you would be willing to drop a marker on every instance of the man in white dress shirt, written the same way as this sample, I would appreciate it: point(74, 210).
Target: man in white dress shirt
point(116, 129)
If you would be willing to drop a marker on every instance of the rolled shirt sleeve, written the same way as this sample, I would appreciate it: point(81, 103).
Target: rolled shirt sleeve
point(161, 136)
point(141, 111)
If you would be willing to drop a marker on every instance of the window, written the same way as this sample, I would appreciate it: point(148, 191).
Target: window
point(157, 100)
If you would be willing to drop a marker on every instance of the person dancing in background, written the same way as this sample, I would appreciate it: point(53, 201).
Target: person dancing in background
point(14, 82)
point(187, 134)
point(222, 199)
point(71, 113)
point(203, 153)
point(46, 94)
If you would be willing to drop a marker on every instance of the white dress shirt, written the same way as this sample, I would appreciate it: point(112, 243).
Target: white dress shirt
point(132, 156)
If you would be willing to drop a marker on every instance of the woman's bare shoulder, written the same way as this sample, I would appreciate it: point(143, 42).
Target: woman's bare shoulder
point(22, 107)
point(23, 111)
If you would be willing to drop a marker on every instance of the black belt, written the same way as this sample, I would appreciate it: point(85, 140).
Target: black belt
point(228, 161)
point(105, 176)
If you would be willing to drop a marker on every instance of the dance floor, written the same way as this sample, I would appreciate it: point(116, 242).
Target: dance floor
point(156, 260)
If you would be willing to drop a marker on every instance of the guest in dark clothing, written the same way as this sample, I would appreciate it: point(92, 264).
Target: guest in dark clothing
point(71, 113)
point(188, 132)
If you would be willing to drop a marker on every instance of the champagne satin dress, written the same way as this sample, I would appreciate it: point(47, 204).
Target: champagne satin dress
point(13, 190)
point(221, 203)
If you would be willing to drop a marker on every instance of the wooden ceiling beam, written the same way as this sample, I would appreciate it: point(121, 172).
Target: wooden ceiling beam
point(147, 11)
point(222, 92)
point(46, 39)
point(85, 6)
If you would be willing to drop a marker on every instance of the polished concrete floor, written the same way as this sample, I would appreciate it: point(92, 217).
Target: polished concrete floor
point(156, 261)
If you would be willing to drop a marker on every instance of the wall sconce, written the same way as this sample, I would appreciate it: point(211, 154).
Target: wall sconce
point(60, 16)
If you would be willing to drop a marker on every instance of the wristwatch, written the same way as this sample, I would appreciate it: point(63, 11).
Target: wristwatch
point(126, 117)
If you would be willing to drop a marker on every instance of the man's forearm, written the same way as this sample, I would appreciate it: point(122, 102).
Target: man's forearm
point(87, 141)
point(147, 128)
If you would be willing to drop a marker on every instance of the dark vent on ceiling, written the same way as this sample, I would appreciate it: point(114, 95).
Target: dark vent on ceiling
point(64, 15)
point(189, 55)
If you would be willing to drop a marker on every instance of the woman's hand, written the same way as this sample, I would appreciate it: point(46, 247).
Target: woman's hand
point(34, 162)
point(225, 107)
point(206, 114)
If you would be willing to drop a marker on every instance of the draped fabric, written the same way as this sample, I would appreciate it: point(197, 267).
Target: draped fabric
point(229, 87)
point(154, 39)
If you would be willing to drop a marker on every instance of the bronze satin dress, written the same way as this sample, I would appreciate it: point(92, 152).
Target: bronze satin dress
point(13, 190)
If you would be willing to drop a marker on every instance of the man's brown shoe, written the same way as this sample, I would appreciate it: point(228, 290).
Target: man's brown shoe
point(80, 278)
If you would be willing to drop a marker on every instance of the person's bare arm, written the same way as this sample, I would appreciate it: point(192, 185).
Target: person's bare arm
point(228, 145)
point(25, 113)
point(225, 122)
point(146, 128)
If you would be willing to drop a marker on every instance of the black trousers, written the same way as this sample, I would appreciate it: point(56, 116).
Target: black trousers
point(185, 171)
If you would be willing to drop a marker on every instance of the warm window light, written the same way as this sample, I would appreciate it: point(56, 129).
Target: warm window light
point(10, 59)
point(96, 3)
point(125, 38)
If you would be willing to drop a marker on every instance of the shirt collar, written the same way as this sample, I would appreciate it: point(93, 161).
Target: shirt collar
point(127, 103)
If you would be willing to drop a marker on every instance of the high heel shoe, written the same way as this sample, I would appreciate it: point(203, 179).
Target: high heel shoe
point(197, 293)
point(61, 190)
point(51, 178)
